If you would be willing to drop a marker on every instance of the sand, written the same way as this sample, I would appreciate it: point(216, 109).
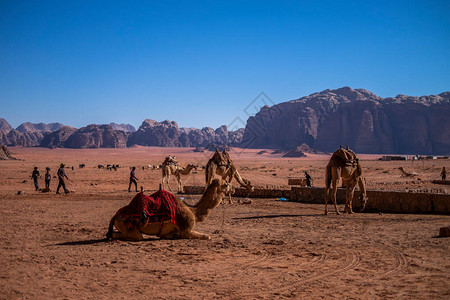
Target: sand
point(53, 246)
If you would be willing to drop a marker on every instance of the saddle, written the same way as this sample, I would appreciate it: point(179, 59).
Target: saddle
point(157, 208)
point(347, 155)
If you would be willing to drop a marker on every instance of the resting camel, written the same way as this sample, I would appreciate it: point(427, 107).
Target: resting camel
point(221, 164)
point(185, 219)
point(344, 164)
point(170, 167)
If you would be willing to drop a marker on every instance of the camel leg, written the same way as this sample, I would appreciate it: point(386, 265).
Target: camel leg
point(180, 185)
point(327, 194)
point(333, 196)
point(191, 234)
point(349, 198)
point(124, 234)
point(167, 182)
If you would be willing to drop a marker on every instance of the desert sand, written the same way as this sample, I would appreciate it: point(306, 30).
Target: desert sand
point(53, 246)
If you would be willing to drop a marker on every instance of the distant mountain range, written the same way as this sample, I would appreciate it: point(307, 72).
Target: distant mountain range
point(322, 121)
point(358, 118)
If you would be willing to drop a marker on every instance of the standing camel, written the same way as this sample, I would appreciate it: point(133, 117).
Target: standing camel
point(221, 164)
point(171, 167)
point(344, 164)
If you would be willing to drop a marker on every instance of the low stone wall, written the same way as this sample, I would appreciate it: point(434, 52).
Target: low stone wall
point(382, 201)
point(379, 201)
point(241, 192)
point(446, 182)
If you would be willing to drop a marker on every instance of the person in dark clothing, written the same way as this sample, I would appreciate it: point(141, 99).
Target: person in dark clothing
point(35, 175)
point(444, 173)
point(47, 178)
point(133, 179)
point(61, 176)
point(308, 179)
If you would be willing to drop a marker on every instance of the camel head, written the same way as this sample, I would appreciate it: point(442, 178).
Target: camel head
point(248, 185)
point(193, 166)
point(212, 197)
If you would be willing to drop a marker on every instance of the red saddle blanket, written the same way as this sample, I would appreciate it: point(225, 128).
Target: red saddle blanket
point(160, 206)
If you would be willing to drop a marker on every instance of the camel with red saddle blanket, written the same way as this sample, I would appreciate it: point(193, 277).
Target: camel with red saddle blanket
point(179, 220)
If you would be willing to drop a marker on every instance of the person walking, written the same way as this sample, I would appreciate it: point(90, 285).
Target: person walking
point(444, 173)
point(47, 178)
point(308, 179)
point(35, 175)
point(133, 179)
point(61, 176)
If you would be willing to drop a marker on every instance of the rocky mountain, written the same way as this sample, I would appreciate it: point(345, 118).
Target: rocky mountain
point(167, 134)
point(95, 136)
point(123, 127)
point(358, 118)
point(5, 128)
point(57, 139)
point(39, 127)
point(27, 134)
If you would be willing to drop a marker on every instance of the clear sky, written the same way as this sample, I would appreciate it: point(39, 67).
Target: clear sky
point(201, 63)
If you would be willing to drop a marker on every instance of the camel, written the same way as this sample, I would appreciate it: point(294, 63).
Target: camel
point(185, 219)
point(170, 167)
point(344, 164)
point(221, 164)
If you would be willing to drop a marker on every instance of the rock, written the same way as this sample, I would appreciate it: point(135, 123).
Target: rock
point(444, 231)
point(247, 201)
point(4, 153)
point(20, 192)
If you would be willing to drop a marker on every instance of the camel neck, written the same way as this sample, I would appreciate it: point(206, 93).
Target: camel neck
point(209, 201)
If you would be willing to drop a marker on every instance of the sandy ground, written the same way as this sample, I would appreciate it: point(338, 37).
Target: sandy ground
point(53, 246)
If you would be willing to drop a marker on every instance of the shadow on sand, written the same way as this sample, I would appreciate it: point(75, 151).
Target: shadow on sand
point(98, 241)
point(276, 216)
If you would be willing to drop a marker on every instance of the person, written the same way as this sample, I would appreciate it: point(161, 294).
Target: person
point(444, 173)
point(308, 179)
point(133, 179)
point(35, 175)
point(61, 176)
point(47, 178)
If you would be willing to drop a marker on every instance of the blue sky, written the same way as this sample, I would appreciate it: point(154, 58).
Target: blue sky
point(201, 63)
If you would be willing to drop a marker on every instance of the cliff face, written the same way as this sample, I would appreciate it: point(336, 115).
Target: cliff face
point(359, 118)
point(167, 134)
point(57, 138)
point(96, 136)
point(27, 134)
point(123, 127)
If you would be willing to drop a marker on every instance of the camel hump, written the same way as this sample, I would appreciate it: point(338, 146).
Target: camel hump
point(347, 155)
